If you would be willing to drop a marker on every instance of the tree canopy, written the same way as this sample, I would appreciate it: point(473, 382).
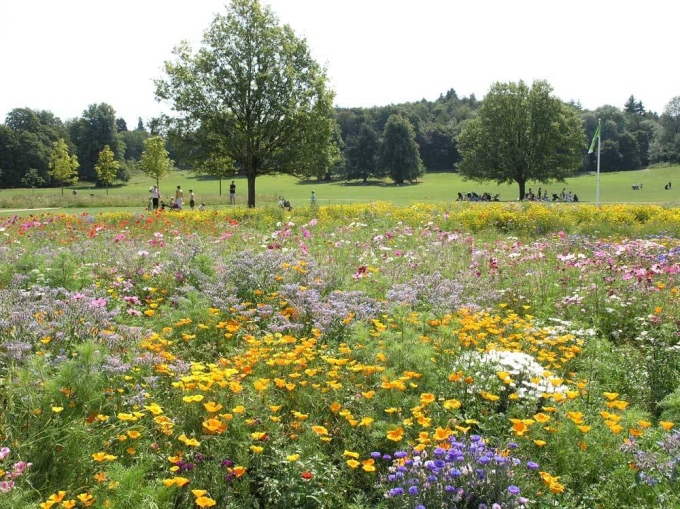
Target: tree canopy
point(400, 157)
point(155, 161)
point(63, 167)
point(255, 87)
point(521, 134)
point(107, 167)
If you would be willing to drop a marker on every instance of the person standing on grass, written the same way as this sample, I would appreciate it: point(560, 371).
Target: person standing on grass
point(179, 197)
point(313, 198)
point(192, 199)
point(155, 197)
point(232, 193)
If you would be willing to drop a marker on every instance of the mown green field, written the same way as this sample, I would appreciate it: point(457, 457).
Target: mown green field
point(434, 187)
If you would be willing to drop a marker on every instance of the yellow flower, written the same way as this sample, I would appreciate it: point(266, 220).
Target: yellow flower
point(193, 399)
point(320, 430)
point(368, 395)
point(488, 396)
point(452, 404)
point(239, 470)
point(68, 504)
point(134, 434)
point(198, 493)
point(395, 435)
point(366, 421)
point(293, 457)
point(542, 418)
point(350, 454)
point(205, 502)
point(540, 443)
point(611, 396)
point(442, 434)
point(353, 463)
point(57, 409)
point(57, 497)
point(212, 407)
point(666, 425)
point(192, 442)
point(427, 398)
point(256, 449)
point(85, 498)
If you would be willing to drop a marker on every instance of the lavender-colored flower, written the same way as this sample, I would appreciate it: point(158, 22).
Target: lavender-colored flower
point(396, 492)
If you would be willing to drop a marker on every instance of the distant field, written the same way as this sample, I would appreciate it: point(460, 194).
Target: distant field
point(439, 187)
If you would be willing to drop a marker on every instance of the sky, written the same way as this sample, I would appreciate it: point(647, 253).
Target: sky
point(64, 55)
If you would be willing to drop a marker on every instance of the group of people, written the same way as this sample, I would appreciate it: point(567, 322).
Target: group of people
point(285, 204)
point(477, 197)
point(176, 203)
point(542, 195)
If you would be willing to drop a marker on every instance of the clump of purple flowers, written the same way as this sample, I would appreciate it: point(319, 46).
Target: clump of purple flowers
point(658, 464)
point(467, 474)
point(17, 469)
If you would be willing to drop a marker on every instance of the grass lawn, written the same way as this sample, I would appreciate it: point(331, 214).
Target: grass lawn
point(615, 187)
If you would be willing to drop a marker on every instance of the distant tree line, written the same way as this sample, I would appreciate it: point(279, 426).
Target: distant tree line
point(367, 143)
point(28, 138)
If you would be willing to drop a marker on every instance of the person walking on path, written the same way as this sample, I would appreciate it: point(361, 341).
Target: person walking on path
point(232, 193)
point(179, 197)
point(155, 197)
point(313, 198)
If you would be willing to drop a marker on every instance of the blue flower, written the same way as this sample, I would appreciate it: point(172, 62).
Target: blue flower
point(513, 490)
point(413, 490)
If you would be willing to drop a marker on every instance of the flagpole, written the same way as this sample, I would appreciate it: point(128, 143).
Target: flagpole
point(597, 185)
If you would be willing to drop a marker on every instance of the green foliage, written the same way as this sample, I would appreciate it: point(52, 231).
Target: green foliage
point(362, 153)
point(95, 129)
point(155, 162)
point(107, 167)
point(399, 156)
point(32, 179)
point(252, 93)
point(521, 134)
point(63, 167)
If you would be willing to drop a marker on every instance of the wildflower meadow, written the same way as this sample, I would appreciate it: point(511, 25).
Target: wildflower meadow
point(360, 356)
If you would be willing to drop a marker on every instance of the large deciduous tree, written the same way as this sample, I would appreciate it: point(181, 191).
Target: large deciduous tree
point(63, 167)
point(96, 128)
point(155, 161)
point(521, 134)
point(399, 155)
point(255, 87)
point(107, 167)
point(362, 153)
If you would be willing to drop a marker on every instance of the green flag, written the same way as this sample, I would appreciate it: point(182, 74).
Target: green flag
point(596, 136)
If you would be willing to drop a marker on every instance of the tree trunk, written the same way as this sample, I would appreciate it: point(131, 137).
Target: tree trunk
point(107, 189)
point(220, 186)
point(522, 188)
point(251, 189)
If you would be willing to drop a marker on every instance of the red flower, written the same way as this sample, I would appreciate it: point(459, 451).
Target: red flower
point(307, 475)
